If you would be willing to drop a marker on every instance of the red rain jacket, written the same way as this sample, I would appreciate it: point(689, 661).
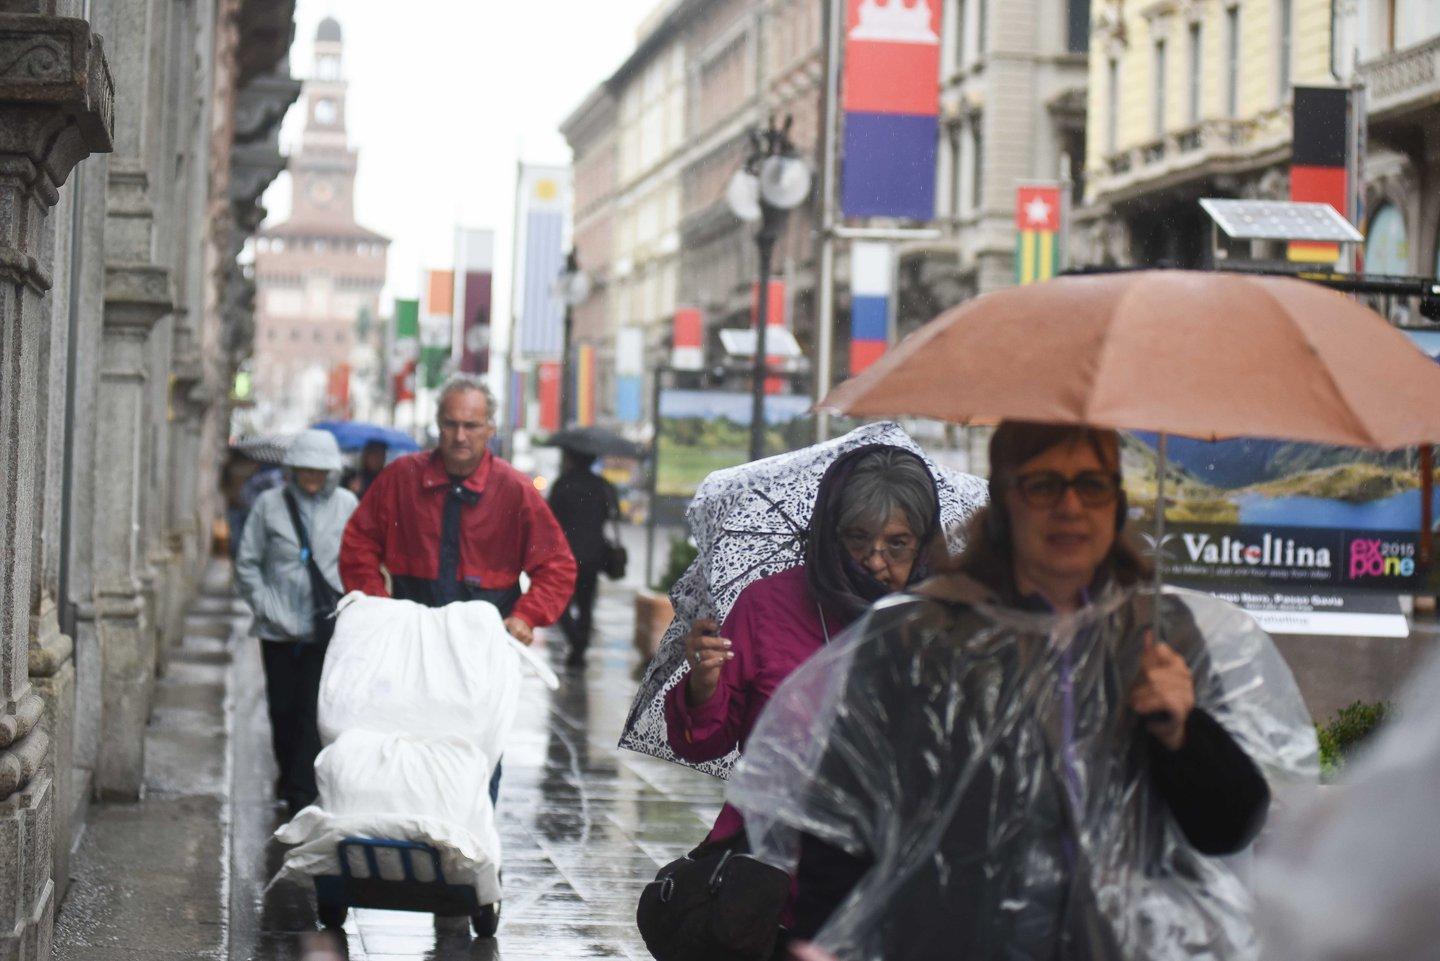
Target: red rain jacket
point(509, 530)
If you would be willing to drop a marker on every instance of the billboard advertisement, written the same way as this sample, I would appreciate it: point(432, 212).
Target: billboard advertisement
point(699, 431)
point(1293, 526)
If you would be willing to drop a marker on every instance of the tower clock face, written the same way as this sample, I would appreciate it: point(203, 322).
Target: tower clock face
point(320, 192)
point(325, 111)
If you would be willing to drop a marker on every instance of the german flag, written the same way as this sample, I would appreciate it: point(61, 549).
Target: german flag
point(1318, 161)
point(1037, 226)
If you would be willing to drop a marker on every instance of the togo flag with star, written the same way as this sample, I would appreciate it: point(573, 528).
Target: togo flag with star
point(1037, 228)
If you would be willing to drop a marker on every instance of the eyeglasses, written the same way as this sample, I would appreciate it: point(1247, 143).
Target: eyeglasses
point(1044, 489)
point(861, 545)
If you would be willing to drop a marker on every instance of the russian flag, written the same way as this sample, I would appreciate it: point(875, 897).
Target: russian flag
point(892, 103)
point(871, 269)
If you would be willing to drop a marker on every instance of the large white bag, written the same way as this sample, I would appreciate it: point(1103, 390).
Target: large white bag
point(399, 666)
point(415, 706)
point(431, 789)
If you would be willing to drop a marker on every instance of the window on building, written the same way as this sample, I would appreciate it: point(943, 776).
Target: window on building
point(1112, 106)
point(1285, 25)
point(1159, 110)
point(977, 166)
point(951, 190)
point(1232, 61)
point(1387, 248)
point(982, 26)
point(962, 35)
point(1077, 32)
point(1197, 63)
point(1409, 22)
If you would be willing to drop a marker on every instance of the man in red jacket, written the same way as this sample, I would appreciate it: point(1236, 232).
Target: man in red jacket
point(460, 524)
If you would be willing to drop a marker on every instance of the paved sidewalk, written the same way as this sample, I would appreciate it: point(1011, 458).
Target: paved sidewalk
point(584, 826)
point(149, 878)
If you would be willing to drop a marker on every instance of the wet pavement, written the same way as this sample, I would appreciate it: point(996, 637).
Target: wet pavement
point(583, 825)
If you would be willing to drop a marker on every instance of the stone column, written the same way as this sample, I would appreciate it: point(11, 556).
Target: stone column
point(137, 296)
point(56, 107)
point(79, 586)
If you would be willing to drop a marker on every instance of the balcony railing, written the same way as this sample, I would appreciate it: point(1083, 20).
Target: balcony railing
point(1190, 148)
point(1403, 79)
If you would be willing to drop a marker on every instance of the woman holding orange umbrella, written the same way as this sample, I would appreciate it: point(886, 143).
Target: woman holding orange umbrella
point(1037, 757)
point(1011, 755)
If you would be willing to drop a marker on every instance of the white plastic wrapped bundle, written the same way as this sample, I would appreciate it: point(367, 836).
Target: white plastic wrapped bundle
point(928, 742)
point(415, 707)
point(399, 666)
point(431, 789)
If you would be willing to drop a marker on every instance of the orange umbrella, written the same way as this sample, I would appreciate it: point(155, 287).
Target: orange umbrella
point(1207, 355)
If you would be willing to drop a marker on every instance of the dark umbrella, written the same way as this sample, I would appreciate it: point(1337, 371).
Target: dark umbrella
point(595, 441)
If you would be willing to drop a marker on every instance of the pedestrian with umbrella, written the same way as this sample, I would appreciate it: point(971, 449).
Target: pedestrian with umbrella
point(876, 513)
point(583, 502)
point(1037, 757)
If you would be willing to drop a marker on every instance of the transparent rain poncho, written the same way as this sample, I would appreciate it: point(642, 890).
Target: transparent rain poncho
point(934, 741)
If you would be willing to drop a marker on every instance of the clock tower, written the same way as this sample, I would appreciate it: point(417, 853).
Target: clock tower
point(318, 275)
point(323, 171)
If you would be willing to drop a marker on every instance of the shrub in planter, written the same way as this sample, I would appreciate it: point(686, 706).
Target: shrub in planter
point(682, 555)
point(653, 611)
point(1348, 729)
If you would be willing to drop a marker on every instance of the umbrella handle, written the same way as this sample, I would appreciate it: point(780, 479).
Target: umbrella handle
point(1160, 451)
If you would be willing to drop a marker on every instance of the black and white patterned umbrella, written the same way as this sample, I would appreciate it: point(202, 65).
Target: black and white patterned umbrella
point(749, 522)
point(265, 448)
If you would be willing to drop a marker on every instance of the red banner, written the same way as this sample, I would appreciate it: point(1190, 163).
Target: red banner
point(404, 386)
point(775, 317)
point(688, 339)
point(549, 384)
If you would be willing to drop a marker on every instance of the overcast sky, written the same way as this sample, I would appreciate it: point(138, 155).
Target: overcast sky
point(445, 97)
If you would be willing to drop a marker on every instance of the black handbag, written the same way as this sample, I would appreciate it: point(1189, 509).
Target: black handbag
point(718, 903)
point(323, 598)
point(615, 558)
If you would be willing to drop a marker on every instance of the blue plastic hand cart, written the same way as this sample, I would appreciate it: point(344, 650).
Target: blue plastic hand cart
point(397, 876)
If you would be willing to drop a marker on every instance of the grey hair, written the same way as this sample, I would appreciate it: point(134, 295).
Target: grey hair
point(884, 481)
point(459, 383)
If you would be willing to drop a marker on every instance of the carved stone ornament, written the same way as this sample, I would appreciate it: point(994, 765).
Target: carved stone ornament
point(253, 167)
point(260, 106)
point(57, 99)
point(1110, 27)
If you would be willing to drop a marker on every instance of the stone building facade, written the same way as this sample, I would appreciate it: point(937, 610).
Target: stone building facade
point(1396, 55)
point(1193, 99)
point(1012, 107)
point(1189, 100)
point(319, 272)
point(654, 147)
point(135, 139)
point(1012, 90)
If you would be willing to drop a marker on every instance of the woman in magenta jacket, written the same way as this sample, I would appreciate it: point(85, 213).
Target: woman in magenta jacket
point(875, 516)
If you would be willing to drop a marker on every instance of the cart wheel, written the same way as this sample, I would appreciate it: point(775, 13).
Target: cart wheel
point(331, 915)
point(486, 921)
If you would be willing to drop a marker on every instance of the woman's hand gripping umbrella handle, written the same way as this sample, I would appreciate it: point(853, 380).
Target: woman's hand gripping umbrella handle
point(706, 653)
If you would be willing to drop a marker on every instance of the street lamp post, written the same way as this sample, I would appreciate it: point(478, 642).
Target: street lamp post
point(573, 287)
point(772, 182)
